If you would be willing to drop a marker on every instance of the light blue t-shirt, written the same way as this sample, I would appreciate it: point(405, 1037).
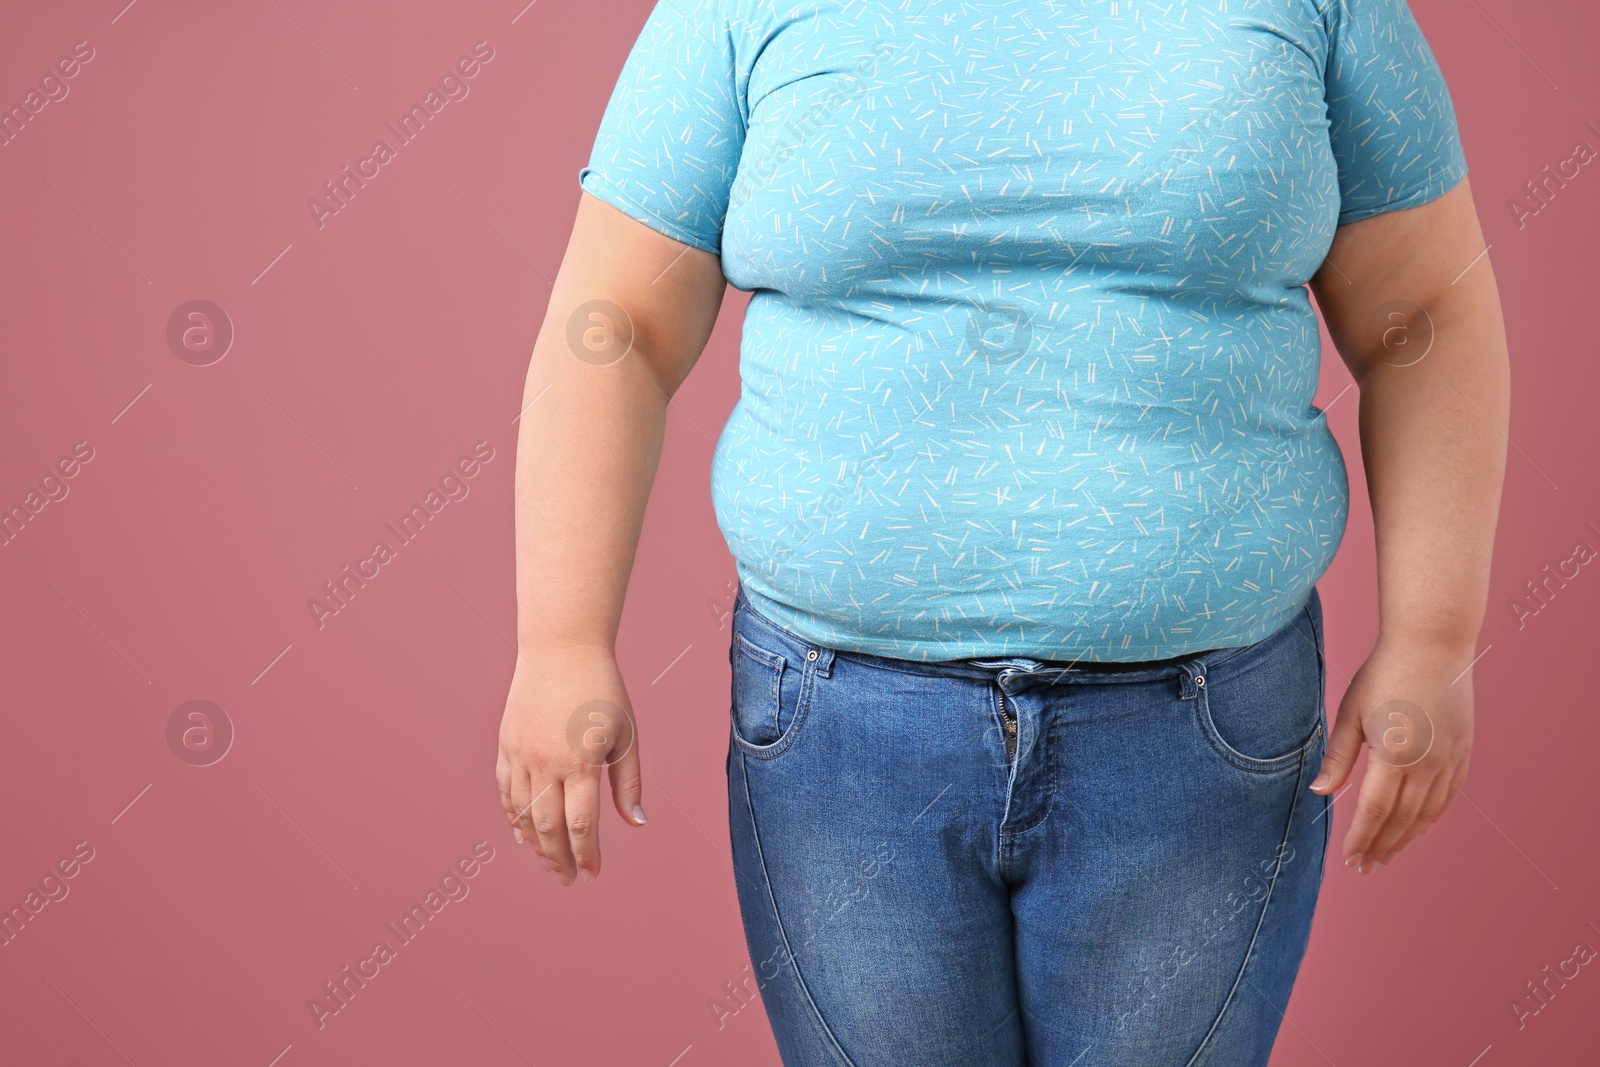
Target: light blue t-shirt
point(1028, 362)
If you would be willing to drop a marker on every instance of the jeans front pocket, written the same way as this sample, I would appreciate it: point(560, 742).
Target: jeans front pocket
point(1261, 707)
point(770, 690)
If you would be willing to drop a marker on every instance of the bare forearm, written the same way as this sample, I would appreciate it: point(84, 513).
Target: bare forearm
point(629, 313)
point(587, 452)
point(1433, 447)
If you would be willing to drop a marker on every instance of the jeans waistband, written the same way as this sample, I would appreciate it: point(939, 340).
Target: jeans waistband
point(987, 668)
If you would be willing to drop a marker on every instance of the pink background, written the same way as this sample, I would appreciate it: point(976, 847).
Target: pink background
point(373, 354)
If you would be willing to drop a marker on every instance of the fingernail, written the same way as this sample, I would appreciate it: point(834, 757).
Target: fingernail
point(566, 879)
point(1319, 783)
point(638, 815)
point(1353, 860)
point(588, 875)
point(516, 832)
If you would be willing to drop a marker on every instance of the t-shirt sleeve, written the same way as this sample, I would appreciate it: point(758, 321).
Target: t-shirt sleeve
point(1390, 119)
point(670, 139)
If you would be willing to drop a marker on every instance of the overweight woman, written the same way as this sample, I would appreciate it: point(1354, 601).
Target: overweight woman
point(1028, 760)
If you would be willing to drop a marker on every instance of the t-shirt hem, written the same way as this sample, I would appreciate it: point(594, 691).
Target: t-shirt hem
point(595, 184)
point(803, 626)
point(1425, 194)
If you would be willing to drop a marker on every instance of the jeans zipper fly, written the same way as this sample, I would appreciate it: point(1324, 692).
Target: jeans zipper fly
point(1010, 723)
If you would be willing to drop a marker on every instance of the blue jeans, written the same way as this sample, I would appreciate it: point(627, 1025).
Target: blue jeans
point(990, 863)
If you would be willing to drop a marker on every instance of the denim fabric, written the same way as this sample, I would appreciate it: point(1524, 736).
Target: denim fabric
point(990, 863)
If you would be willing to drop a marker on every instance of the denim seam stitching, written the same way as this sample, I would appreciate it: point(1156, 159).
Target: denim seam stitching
point(995, 696)
point(1255, 935)
point(787, 738)
point(1322, 720)
point(774, 663)
point(1275, 765)
point(1050, 776)
point(783, 933)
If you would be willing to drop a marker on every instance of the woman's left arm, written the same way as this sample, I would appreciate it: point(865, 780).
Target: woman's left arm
point(1409, 299)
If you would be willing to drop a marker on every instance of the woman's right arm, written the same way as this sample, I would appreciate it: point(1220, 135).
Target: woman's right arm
point(629, 313)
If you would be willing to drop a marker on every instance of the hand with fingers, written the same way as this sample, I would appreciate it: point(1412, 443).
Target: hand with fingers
point(566, 722)
point(1411, 706)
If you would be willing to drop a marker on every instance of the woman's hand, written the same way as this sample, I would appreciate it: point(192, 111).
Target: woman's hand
point(1407, 704)
point(565, 720)
point(629, 313)
point(1410, 301)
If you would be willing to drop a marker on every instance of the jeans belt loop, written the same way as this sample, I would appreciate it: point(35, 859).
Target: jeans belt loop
point(1188, 673)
